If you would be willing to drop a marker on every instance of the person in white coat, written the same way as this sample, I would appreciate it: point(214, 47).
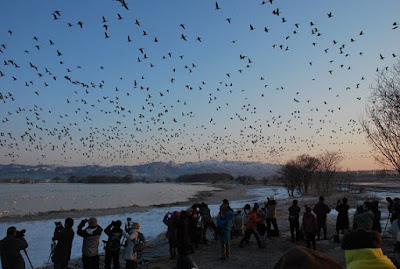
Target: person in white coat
point(130, 255)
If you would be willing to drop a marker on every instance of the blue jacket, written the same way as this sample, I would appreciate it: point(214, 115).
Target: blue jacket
point(226, 222)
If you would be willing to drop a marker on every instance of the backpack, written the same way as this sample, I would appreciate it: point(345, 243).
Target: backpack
point(113, 244)
point(139, 243)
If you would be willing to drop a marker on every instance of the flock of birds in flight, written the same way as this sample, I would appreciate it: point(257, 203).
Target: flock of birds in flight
point(158, 129)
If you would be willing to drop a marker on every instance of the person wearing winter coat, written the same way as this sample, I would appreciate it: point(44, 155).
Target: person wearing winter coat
point(342, 220)
point(91, 239)
point(294, 215)
point(271, 215)
point(376, 226)
point(207, 222)
point(224, 222)
point(322, 211)
point(130, 255)
point(183, 240)
point(64, 235)
point(310, 228)
point(393, 208)
point(10, 248)
point(363, 250)
point(113, 244)
point(171, 221)
point(251, 226)
point(365, 220)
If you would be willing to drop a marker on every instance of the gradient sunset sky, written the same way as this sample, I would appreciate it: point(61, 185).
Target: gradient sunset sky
point(91, 82)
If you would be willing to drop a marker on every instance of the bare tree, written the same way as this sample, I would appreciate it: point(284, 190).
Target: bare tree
point(328, 167)
point(383, 112)
point(299, 174)
point(289, 176)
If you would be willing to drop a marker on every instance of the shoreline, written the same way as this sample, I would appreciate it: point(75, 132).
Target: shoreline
point(156, 252)
point(230, 190)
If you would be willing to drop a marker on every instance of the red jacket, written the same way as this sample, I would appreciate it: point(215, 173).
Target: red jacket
point(252, 220)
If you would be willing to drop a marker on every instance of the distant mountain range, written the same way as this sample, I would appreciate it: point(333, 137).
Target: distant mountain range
point(151, 171)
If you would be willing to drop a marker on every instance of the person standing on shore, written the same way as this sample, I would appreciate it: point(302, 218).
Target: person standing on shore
point(294, 215)
point(224, 222)
point(128, 224)
point(207, 222)
point(342, 221)
point(130, 255)
point(171, 220)
point(310, 228)
point(91, 239)
point(10, 248)
point(113, 244)
point(322, 211)
point(252, 221)
point(272, 212)
point(365, 220)
point(64, 235)
point(376, 226)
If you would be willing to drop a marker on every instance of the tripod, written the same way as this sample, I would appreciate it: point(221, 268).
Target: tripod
point(53, 246)
point(29, 260)
point(141, 259)
point(384, 230)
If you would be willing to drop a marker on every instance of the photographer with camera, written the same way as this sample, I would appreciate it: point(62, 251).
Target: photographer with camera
point(91, 239)
point(113, 244)
point(10, 248)
point(64, 236)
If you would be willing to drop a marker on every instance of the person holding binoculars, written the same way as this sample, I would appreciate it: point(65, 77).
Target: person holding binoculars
point(91, 239)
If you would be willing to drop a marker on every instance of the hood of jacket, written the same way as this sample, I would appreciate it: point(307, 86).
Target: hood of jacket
point(367, 258)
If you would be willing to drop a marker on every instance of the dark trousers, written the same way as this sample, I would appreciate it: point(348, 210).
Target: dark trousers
point(111, 256)
point(173, 250)
point(273, 221)
point(90, 262)
point(310, 239)
point(294, 227)
point(247, 235)
point(130, 264)
point(322, 224)
point(61, 264)
point(324, 228)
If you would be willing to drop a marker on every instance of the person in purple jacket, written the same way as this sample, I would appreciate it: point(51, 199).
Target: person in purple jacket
point(310, 227)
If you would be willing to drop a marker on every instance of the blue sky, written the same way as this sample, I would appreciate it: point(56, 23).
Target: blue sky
point(269, 105)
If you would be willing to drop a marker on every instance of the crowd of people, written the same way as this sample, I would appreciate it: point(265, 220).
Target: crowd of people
point(188, 228)
point(130, 238)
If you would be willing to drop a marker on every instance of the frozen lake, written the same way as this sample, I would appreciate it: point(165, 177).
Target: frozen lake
point(27, 199)
point(39, 233)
